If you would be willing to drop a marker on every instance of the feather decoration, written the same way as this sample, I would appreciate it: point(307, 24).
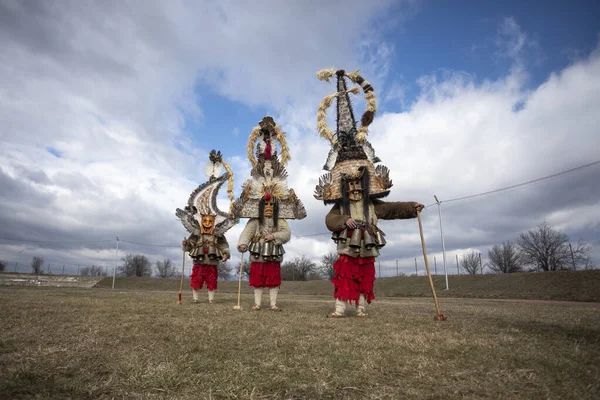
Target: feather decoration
point(325, 74)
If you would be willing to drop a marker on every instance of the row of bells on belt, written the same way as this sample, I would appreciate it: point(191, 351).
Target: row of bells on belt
point(213, 253)
point(269, 250)
point(359, 238)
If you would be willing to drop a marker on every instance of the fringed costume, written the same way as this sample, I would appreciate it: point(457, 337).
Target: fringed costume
point(354, 186)
point(267, 202)
point(207, 245)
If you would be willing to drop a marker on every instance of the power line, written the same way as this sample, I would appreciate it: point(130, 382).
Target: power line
point(524, 183)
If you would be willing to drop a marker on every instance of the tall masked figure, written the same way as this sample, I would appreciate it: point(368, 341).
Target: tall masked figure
point(207, 245)
point(354, 186)
point(268, 203)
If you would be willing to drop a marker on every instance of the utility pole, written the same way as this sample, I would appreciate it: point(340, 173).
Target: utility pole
point(116, 258)
point(435, 264)
point(480, 265)
point(63, 271)
point(572, 257)
point(18, 259)
point(416, 271)
point(457, 269)
point(439, 203)
point(397, 274)
point(48, 270)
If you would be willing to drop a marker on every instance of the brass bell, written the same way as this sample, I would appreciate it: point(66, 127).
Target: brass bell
point(267, 250)
point(335, 236)
point(380, 239)
point(368, 241)
point(280, 250)
point(355, 239)
point(253, 248)
point(343, 236)
point(212, 252)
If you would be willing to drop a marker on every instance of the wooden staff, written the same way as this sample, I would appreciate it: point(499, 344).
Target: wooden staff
point(439, 316)
point(239, 307)
point(182, 272)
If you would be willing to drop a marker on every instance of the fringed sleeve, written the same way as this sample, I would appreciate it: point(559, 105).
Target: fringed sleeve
point(335, 221)
point(248, 232)
point(395, 209)
point(192, 240)
point(283, 233)
point(223, 245)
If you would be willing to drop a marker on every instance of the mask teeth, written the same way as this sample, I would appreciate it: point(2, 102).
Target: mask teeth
point(345, 115)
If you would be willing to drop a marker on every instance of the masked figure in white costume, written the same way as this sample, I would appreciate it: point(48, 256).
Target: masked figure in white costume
point(268, 203)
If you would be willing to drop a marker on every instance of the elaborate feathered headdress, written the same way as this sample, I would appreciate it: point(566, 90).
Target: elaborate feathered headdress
point(268, 175)
point(351, 155)
point(203, 200)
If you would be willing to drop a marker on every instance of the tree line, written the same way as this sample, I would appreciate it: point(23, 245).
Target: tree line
point(538, 250)
point(541, 249)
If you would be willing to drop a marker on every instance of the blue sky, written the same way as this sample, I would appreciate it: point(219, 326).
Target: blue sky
point(109, 112)
point(433, 37)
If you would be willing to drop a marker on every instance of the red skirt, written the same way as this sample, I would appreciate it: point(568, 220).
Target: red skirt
point(265, 274)
point(353, 277)
point(202, 273)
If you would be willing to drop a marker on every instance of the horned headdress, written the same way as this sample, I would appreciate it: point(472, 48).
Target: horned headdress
point(203, 200)
point(351, 156)
point(268, 175)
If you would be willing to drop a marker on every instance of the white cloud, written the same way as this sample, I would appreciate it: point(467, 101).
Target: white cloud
point(110, 89)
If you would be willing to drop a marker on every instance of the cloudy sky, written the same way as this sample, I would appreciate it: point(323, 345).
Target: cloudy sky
point(109, 109)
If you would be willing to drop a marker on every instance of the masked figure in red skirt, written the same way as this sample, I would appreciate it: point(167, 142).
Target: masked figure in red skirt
point(355, 186)
point(207, 245)
point(267, 202)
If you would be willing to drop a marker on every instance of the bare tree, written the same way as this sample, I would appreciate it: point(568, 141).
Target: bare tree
point(547, 249)
point(315, 276)
point(137, 265)
point(470, 263)
point(94, 270)
point(225, 269)
point(245, 270)
point(2, 265)
point(36, 265)
point(298, 269)
point(326, 267)
point(505, 259)
point(165, 268)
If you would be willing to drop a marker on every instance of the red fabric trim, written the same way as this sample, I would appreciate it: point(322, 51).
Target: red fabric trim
point(265, 274)
point(202, 273)
point(268, 150)
point(353, 277)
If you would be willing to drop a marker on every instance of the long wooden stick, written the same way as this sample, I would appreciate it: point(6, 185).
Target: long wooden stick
point(239, 307)
point(182, 273)
point(440, 316)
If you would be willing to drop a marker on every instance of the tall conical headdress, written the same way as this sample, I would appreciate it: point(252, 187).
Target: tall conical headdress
point(268, 174)
point(351, 155)
point(203, 200)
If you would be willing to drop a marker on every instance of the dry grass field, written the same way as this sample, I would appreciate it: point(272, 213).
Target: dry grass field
point(68, 343)
point(558, 285)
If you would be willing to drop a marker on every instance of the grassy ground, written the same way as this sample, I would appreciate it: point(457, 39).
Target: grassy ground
point(100, 344)
point(560, 285)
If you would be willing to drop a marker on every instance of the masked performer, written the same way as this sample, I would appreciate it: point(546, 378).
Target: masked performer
point(354, 186)
point(207, 245)
point(267, 202)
